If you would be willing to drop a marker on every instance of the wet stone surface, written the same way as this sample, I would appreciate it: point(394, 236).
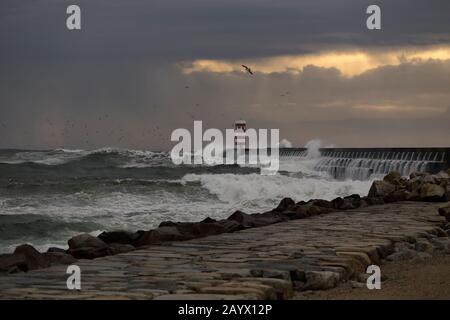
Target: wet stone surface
point(261, 263)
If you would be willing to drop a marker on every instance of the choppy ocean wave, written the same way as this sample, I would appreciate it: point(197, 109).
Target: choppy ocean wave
point(21, 225)
point(48, 196)
point(110, 156)
point(73, 169)
point(239, 188)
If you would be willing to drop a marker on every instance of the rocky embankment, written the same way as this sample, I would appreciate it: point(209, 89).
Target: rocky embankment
point(393, 188)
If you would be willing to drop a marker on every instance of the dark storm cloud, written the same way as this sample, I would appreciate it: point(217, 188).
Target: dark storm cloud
point(179, 29)
point(117, 81)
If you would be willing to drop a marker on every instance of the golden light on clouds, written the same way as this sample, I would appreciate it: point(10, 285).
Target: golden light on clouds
point(349, 62)
point(400, 108)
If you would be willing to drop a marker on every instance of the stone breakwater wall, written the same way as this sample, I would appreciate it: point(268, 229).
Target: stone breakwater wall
point(440, 156)
point(363, 163)
point(306, 245)
point(393, 188)
point(269, 262)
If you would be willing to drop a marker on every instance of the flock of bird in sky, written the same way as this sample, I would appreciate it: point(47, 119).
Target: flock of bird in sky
point(155, 131)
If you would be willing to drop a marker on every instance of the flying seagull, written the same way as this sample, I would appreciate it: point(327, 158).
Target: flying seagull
point(247, 69)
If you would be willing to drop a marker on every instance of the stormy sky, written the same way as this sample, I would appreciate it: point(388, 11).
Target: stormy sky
point(139, 69)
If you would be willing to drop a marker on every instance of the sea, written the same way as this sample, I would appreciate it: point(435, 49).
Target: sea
point(46, 197)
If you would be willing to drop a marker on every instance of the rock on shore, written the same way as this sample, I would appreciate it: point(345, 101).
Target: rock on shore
point(26, 258)
point(419, 187)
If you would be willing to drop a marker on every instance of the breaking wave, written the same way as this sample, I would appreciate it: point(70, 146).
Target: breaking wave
point(46, 197)
point(255, 187)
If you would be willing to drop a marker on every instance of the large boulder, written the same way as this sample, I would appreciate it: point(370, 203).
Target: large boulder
point(284, 205)
point(116, 248)
point(394, 178)
point(355, 200)
point(10, 263)
point(230, 225)
point(203, 229)
point(208, 220)
point(353, 196)
point(120, 236)
point(296, 212)
point(159, 235)
point(310, 209)
point(199, 229)
point(168, 224)
point(321, 280)
point(415, 184)
point(345, 203)
point(257, 219)
point(417, 174)
point(337, 202)
point(447, 193)
point(441, 178)
point(34, 259)
point(403, 251)
point(430, 178)
point(313, 210)
point(89, 252)
point(445, 212)
point(401, 255)
point(85, 241)
point(206, 227)
point(85, 246)
point(244, 219)
point(267, 218)
point(443, 175)
point(396, 196)
point(423, 245)
point(56, 250)
point(412, 196)
point(381, 189)
point(441, 244)
point(321, 203)
point(26, 258)
point(371, 201)
point(432, 192)
point(56, 258)
point(100, 251)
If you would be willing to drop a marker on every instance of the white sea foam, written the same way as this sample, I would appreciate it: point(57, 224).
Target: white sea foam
point(71, 150)
point(52, 161)
point(284, 143)
point(133, 206)
point(238, 188)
